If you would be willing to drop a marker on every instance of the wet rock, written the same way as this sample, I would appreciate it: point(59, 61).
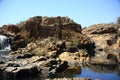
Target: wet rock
point(55, 70)
point(27, 72)
point(1, 62)
point(52, 67)
point(23, 56)
point(62, 66)
point(13, 65)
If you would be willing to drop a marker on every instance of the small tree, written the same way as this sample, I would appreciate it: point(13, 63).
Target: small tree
point(118, 20)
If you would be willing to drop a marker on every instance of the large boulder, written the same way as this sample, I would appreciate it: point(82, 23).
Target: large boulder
point(106, 39)
point(75, 59)
point(102, 34)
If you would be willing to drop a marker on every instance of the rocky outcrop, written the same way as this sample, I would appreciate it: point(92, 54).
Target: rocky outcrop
point(102, 34)
point(49, 27)
point(101, 29)
point(105, 37)
point(39, 27)
point(9, 30)
point(46, 46)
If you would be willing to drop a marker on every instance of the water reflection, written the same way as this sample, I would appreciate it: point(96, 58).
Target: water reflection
point(104, 72)
point(70, 72)
point(100, 72)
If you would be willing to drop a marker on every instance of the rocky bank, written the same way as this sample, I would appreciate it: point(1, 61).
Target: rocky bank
point(46, 46)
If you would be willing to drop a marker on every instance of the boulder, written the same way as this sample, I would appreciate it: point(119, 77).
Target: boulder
point(75, 59)
point(102, 34)
point(106, 39)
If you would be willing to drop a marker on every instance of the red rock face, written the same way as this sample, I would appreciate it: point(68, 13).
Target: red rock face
point(9, 30)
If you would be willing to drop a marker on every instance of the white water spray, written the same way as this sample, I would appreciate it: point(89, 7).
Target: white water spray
point(4, 43)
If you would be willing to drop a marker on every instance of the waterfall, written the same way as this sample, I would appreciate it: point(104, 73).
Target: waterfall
point(4, 46)
point(4, 43)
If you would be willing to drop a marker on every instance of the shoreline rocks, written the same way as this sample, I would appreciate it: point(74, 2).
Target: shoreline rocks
point(29, 67)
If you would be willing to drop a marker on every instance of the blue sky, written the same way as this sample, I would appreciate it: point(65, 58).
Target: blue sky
point(84, 12)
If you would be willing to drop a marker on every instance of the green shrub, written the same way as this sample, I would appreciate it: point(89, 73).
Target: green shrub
point(74, 43)
point(84, 51)
point(20, 24)
point(118, 20)
point(118, 34)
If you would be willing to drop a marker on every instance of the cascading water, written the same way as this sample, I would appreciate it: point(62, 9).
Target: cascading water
point(4, 45)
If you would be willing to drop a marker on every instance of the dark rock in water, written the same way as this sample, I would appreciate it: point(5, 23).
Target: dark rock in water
point(27, 73)
point(62, 67)
point(13, 65)
point(23, 56)
point(53, 71)
point(112, 57)
point(1, 62)
point(53, 67)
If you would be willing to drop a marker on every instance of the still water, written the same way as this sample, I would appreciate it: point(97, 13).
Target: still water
point(94, 72)
point(88, 73)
